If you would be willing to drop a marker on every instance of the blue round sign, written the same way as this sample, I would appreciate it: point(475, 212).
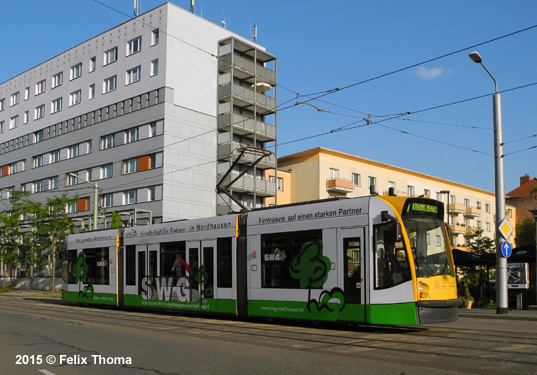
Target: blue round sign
point(506, 249)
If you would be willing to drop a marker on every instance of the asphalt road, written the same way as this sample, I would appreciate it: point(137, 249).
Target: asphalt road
point(44, 336)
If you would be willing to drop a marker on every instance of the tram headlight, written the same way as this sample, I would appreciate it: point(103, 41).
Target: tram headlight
point(423, 290)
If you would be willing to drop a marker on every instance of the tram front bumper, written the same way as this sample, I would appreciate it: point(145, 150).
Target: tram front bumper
point(432, 312)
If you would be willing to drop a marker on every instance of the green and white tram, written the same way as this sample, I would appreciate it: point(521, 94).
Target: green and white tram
point(375, 260)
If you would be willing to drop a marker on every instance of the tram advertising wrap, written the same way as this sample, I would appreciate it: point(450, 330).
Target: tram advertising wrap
point(372, 260)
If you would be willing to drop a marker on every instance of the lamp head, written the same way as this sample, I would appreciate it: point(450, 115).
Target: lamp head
point(476, 57)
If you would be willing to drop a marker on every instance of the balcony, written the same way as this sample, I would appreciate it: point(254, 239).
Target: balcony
point(228, 151)
point(472, 212)
point(457, 229)
point(249, 184)
point(470, 232)
point(246, 98)
point(246, 65)
point(456, 208)
point(339, 185)
point(246, 125)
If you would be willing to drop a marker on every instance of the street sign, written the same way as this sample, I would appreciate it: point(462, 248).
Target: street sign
point(506, 249)
point(505, 229)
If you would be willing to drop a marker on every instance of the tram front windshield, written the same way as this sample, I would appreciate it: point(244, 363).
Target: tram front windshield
point(429, 246)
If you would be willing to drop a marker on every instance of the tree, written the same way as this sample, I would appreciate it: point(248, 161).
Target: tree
point(116, 220)
point(525, 233)
point(482, 245)
point(51, 225)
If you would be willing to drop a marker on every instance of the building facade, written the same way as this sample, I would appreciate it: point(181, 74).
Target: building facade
point(154, 111)
point(322, 173)
point(524, 198)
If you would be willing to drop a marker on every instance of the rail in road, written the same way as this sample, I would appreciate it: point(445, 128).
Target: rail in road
point(461, 347)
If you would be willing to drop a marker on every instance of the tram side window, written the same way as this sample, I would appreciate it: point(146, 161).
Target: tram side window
point(71, 266)
point(280, 251)
point(130, 260)
point(98, 266)
point(224, 262)
point(391, 263)
point(173, 259)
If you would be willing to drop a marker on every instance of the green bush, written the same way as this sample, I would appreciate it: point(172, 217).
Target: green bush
point(4, 289)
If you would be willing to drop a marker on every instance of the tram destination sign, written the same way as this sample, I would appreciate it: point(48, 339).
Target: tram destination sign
point(421, 206)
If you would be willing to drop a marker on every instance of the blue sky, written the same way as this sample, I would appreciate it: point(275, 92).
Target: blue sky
point(375, 52)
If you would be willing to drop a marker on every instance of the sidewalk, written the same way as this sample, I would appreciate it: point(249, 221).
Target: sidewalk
point(529, 315)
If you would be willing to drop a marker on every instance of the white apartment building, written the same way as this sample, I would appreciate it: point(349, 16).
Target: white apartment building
point(155, 111)
point(322, 173)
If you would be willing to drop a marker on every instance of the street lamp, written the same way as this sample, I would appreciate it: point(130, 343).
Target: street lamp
point(501, 261)
point(95, 199)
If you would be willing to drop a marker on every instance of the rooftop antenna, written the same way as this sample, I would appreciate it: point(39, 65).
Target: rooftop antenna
point(255, 33)
point(137, 7)
point(192, 6)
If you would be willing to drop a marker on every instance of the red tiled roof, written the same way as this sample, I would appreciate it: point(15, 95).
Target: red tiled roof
point(524, 190)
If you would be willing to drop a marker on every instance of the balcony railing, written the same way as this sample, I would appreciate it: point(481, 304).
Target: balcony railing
point(246, 125)
point(472, 211)
point(339, 185)
point(249, 184)
point(247, 65)
point(247, 96)
point(227, 151)
point(456, 208)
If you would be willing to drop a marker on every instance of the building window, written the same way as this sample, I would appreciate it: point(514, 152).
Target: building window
point(14, 122)
point(334, 173)
point(1, 127)
point(15, 98)
point(37, 161)
point(75, 97)
point(133, 75)
point(106, 171)
point(427, 192)
point(132, 135)
point(110, 56)
point(56, 105)
point(57, 79)
point(107, 200)
point(110, 84)
point(2, 104)
point(27, 93)
point(91, 93)
point(38, 136)
point(130, 166)
point(53, 183)
point(92, 64)
point(76, 71)
point(466, 203)
point(73, 152)
point(154, 67)
point(487, 208)
point(372, 181)
point(130, 197)
point(356, 179)
point(488, 226)
point(155, 35)
point(391, 184)
point(55, 156)
point(107, 141)
point(410, 191)
point(134, 46)
point(478, 205)
point(151, 193)
point(40, 87)
point(26, 117)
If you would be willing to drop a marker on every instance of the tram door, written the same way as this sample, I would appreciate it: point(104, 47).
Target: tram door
point(200, 255)
point(148, 264)
point(352, 245)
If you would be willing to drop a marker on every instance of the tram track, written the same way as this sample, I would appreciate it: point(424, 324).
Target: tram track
point(381, 343)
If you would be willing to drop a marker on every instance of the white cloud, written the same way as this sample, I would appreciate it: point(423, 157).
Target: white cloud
point(428, 74)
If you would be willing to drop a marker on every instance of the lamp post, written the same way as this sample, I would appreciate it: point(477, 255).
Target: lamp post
point(95, 199)
point(501, 261)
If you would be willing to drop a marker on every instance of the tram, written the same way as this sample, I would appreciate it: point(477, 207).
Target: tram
point(372, 260)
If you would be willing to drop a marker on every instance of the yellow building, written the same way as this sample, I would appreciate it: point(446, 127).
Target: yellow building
point(322, 173)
